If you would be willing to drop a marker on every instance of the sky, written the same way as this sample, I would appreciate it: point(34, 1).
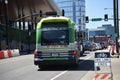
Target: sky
point(96, 9)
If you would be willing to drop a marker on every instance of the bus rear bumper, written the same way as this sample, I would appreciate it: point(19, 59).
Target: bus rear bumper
point(54, 62)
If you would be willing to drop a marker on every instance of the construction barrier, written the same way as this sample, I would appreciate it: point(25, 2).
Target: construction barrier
point(15, 52)
point(1, 55)
point(9, 53)
point(6, 54)
point(102, 66)
point(103, 76)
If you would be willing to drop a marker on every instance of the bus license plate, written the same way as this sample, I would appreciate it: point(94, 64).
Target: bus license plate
point(54, 54)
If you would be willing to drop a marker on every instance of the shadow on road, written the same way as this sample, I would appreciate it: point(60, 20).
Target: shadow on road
point(84, 65)
point(55, 68)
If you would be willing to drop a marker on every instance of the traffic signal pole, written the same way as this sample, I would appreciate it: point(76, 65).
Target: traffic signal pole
point(116, 23)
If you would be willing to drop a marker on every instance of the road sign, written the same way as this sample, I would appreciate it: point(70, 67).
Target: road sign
point(102, 63)
point(96, 19)
point(102, 59)
point(102, 55)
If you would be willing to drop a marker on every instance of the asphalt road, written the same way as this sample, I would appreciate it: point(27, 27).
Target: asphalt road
point(23, 68)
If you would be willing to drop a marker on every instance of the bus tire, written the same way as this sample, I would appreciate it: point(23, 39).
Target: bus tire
point(76, 63)
point(41, 67)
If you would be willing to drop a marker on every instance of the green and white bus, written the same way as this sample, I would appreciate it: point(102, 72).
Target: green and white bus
point(56, 42)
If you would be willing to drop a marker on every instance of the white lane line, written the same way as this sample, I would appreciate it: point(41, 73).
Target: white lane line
point(59, 75)
point(68, 69)
point(86, 59)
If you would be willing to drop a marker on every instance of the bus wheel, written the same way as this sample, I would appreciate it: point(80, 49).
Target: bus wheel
point(40, 67)
point(76, 63)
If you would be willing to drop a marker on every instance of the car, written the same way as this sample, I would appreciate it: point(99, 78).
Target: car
point(88, 46)
point(97, 46)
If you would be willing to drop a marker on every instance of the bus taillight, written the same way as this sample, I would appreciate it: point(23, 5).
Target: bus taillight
point(35, 53)
point(74, 52)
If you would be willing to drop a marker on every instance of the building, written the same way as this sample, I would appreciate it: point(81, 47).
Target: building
point(74, 9)
point(108, 28)
point(23, 11)
point(97, 32)
point(105, 31)
point(18, 19)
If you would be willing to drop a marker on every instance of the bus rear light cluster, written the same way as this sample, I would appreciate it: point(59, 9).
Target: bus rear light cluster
point(35, 53)
point(74, 52)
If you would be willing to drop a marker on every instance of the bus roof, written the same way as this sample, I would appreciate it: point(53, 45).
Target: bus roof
point(56, 19)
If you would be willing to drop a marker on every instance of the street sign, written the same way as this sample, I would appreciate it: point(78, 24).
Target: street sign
point(102, 55)
point(102, 66)
point(96, 19)
point(102, 59)
point(102, 62)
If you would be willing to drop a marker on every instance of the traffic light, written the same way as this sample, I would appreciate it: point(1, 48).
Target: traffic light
point(106, 17)
point(40, 13)
point(51, 13)
point(87, 19)
point(63, 12)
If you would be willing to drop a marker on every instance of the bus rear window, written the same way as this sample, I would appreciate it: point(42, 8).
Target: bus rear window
point(55, 37)
point(54, 24)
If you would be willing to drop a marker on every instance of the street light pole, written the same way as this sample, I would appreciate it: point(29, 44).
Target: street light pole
point(116, 23)
point(5, 2)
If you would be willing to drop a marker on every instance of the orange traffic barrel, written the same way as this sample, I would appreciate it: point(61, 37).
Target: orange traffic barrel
point(9, 53)
point(2, 55)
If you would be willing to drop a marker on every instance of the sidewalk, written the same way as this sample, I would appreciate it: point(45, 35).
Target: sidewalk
point(115, 62)
point(116, 68)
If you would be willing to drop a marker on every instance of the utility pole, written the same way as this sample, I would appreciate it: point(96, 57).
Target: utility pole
point(5, 3)
point(116, 23)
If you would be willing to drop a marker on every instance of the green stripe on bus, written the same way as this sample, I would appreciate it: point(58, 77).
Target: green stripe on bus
point(54, 58)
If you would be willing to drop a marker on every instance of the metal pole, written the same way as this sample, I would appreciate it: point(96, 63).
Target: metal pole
point(0, 22)
point(29, 34)
point(116, 23)
point(23, 19)
point(35, 22)
point(5, 2)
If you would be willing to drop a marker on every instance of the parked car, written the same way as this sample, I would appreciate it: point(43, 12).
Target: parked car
point(104, 45)
point(88, 46)
point(97, 46)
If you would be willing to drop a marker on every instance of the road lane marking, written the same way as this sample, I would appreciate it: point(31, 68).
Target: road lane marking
point(86, 59)
point(59, 75)
point(68, 69)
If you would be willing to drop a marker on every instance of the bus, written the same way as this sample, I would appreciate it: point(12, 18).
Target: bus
point(56, 42)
